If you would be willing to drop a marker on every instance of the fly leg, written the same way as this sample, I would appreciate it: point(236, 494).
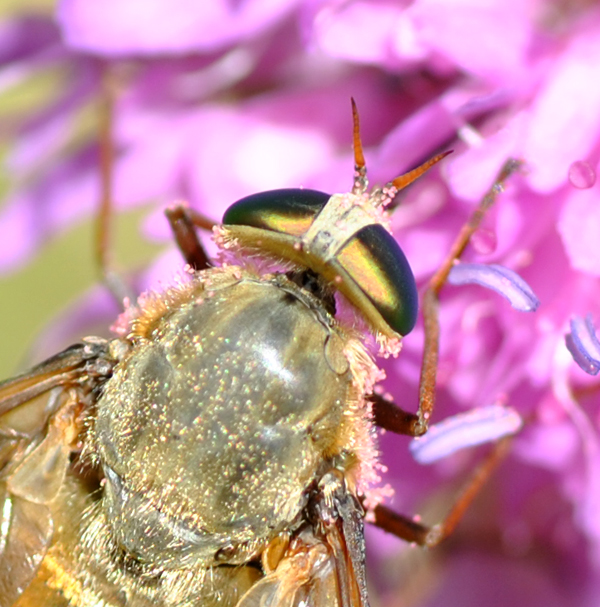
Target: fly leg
point(415, 532)
point(183, 222)
point(388, 415)
point(119, 289)
point(182, 219)
point(429, 364)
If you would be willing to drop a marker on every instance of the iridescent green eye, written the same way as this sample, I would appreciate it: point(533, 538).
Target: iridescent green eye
point(338, 239)
point(373, 260)
point(288, 211)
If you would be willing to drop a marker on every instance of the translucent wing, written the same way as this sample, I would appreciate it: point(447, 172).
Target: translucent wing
point(324, 564)
point(26, 530)
point(305, 576)
point(40, 417)
point(58, 370)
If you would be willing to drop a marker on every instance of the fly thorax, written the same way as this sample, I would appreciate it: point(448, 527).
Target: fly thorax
point(212, 431)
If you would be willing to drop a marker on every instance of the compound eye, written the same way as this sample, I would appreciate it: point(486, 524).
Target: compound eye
point(288, 211)
point(374, 261)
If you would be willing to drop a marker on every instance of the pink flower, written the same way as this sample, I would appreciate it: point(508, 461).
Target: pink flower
point(220, 100)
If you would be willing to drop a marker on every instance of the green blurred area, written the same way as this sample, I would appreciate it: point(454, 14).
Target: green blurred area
point(64, 268)
point(10, 8)
point(61, 272)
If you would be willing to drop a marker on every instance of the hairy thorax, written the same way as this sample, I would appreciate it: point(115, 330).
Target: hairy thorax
point(239, 394)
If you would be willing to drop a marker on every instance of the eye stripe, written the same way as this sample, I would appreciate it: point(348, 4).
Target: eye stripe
point(276, 222)
point(357, 260)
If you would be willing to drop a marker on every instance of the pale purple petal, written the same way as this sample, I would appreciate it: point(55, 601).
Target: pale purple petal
point(147, 170)
point(42, 139)
point(498, 278)
point(358, 31)
point(475, 427)
point(413, 139)
point(579, 228)
point(489, 39)
point(472, 172)
point(66, 193)
point(408, 142)
point(18, 235)
point(552, 445)
point(154, 27)
point(582, 342)
point(26, 37)
point(569, 99)
point(258, 155)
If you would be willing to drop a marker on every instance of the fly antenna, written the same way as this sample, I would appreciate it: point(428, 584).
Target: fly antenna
point(360, 168)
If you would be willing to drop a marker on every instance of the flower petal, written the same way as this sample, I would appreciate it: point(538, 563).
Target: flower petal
point(153, 27)
point(357, 31)
point(469, 429)
point(579, 229)
point(498, 278)
point(568, 98)
point(583, 344)
point(441, 26)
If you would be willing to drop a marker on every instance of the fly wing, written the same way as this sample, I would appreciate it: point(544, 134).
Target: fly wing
point(324, 565)
point(58, 370)
point(346, 536)
point(306, 575)
point(40, 420)
point(36, 415)
point(29, 401)
point(25, 533)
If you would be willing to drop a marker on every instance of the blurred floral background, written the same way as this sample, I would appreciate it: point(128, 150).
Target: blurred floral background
point(217, 100)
